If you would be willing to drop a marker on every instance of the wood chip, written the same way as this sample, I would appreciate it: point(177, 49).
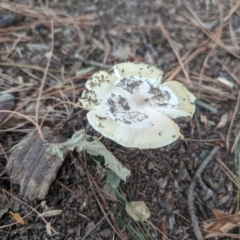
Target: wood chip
point(30, 166)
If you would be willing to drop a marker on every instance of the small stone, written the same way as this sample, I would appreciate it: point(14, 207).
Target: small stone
point(70, 231)
point(16, 207)
point(90, 226)
point(106, 233)
point(67, 32)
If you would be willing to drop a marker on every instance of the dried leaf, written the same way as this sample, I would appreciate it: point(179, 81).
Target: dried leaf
point(222, 223)
point(17, 217)
point(112, 179)
point(223, 121)
point(163, 231)
point(138, 210)
point(203, 119)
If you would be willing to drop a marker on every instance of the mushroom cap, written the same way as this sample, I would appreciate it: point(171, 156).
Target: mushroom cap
point(141, 70)
point(144, 130)
point(130, 106)
point(186, 101)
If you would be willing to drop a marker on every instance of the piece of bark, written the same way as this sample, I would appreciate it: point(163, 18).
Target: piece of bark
point(31, 167)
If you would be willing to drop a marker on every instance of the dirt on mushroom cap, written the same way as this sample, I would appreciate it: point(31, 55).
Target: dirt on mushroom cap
point(130, 106)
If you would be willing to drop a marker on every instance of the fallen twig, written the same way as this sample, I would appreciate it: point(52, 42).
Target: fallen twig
point(174, 48)
point(206, 106)
point(191, 208)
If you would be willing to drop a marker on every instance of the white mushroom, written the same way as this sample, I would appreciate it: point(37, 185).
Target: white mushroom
point(129, 105)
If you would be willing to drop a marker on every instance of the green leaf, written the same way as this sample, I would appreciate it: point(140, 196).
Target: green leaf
point(112, 179)
point(82, 142)
point(55, 151)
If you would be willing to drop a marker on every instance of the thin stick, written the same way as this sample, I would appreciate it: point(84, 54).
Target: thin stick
point(191, 208)
point(171, 75)
point(214, 38)
point(206, 106)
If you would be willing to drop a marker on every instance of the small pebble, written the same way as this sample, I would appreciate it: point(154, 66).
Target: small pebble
point(90, 226)
point(106, 233)
point(16, 207)
point(67, 32)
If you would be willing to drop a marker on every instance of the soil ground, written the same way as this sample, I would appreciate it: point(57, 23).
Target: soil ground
point(44, 43)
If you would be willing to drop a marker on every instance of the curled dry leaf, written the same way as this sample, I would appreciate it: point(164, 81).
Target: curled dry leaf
point(17, 217)
point(138, 210)
point(222, 223)
point(129, 105)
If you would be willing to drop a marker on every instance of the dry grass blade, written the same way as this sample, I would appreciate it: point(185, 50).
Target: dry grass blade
point(27, 118)
point(44, 14)
point(229, 173)
point(171, 75)
point(232, 121)
point(174, 48)
point(232, 11)
point(214, 38)
point(45, 73)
